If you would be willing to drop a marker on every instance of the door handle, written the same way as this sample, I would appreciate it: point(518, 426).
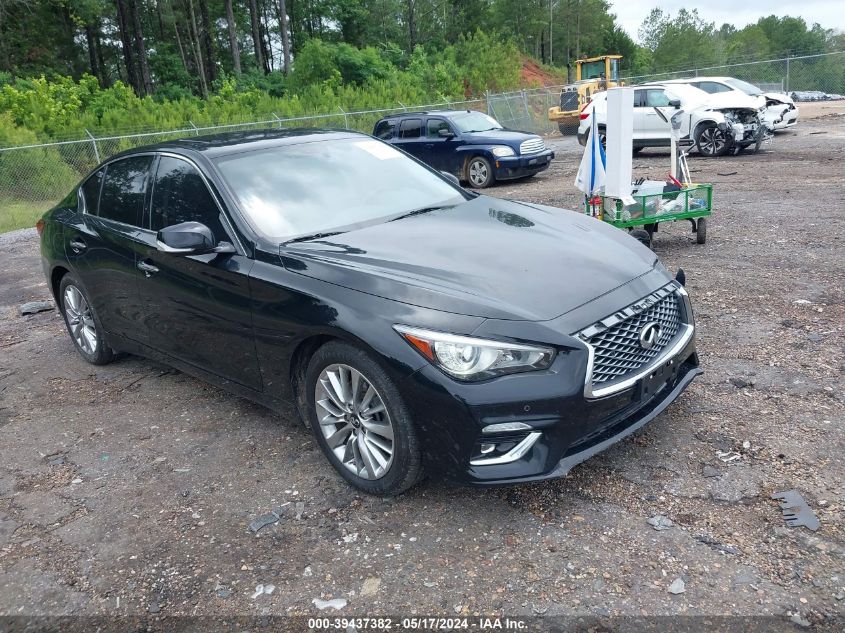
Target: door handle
point(77, 245)
point(147, 269)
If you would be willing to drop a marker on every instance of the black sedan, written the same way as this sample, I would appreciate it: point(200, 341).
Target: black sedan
point(415, 325)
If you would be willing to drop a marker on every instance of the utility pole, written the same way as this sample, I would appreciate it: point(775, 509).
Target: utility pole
point(551, 59)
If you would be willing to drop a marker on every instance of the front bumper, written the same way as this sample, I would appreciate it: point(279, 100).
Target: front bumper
point(510, 167)
point(555, 425)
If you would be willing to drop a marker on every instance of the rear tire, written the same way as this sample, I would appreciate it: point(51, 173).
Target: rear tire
point(82, 322)
point(360, 420)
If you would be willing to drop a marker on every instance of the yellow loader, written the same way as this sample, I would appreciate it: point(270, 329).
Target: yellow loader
point(592, 74)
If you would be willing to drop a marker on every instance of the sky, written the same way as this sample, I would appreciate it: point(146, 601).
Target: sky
point(829, 13)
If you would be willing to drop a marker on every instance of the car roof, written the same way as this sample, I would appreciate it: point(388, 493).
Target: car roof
point(214, 145)
point(691, 79)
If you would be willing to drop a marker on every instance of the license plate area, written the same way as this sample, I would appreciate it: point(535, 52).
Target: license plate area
point(657, 379)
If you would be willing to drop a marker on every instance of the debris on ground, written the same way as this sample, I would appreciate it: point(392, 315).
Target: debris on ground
point(677, 586)
point(34, 307)
point(800, 621)
point(795, 510)
point(370, 587)
point(715, 544)
point(335, 603)
point(263, 589)
point(728, 456)
point(742, 383)
point(709, 471)
point(300, 509)
point(729, 173)
point(263, 521)
point(660, 522)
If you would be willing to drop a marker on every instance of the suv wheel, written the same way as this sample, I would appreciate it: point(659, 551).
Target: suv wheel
point(711, 141)
point(360, 420)
point(480, 172)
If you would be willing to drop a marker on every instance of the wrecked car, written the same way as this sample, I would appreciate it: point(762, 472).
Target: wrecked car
point(779, 110)
point(715, 124)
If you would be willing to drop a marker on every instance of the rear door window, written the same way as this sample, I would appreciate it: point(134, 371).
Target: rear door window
point(181, 195)
point(384, 129)
point(122, 198)
point(91, 192)
point(410, 128)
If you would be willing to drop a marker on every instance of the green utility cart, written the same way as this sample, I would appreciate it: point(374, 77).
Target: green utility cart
point(642, 213)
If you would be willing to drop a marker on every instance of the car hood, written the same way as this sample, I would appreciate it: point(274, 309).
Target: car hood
point(486, 257)
point(780, 97)
point(493, 137)
point(733, 100)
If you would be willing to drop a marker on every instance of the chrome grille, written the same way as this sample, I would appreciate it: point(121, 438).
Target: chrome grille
point(532, 146)
point(616, 341)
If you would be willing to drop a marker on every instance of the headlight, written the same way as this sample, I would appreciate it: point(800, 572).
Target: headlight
point(503, 150)
point(468, 358)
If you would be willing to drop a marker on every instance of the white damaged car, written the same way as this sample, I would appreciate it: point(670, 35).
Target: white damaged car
point(716, 124)
point(780, 111)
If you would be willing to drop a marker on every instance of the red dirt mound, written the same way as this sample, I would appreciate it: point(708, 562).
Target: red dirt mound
point(534, 75)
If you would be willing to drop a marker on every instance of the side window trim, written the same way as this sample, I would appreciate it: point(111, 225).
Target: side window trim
point(81, 194)
point(105, 166)
point(228, 225)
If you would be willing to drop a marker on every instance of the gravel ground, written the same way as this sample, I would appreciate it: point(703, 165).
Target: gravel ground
point(128, 489)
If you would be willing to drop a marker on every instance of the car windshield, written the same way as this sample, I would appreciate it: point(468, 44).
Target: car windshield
point(744, 86)
point(328, 186)
point(475, 122)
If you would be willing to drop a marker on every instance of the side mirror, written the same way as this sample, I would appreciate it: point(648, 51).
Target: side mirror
point(451, 178)
point(675, 103)
point(444, 133)
point(190, 238)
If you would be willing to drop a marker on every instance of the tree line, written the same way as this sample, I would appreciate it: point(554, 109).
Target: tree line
point(178, 48)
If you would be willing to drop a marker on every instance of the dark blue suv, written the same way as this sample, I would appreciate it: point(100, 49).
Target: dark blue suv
point(466, 143)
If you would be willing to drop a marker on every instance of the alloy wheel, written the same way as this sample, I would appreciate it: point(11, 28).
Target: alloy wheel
point(354, 421)
point(80, 320)
point(478, 173)
point(711, 141)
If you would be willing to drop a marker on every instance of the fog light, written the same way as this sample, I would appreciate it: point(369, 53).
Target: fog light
point(486, 448)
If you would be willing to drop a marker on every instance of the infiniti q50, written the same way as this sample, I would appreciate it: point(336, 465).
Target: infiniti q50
point(416, 326)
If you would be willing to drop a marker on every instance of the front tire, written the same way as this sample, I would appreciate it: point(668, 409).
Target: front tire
point(82, 323)
point(360, 421)
point(711, 141)
point(480, 172)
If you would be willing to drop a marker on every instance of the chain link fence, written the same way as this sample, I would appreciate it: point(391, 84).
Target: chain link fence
point(35, 177)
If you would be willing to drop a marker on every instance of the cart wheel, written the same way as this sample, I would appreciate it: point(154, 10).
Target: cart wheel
point(643, 236)
point(701, 231)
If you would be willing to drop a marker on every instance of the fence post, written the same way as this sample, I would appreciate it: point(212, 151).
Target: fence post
point(487, 101)
point(196, 130)
point(787, 73)
point(528, 118)
point(345, 118)
point(94, 143)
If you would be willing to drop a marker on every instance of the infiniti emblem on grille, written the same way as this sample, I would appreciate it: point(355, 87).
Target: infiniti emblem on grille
point(649, 335)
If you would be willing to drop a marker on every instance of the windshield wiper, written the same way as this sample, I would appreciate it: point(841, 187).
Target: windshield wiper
point(421, 211)
point(312, 236)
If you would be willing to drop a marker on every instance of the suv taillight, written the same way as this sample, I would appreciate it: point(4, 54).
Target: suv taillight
point(584, 115)
point(39, 226)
